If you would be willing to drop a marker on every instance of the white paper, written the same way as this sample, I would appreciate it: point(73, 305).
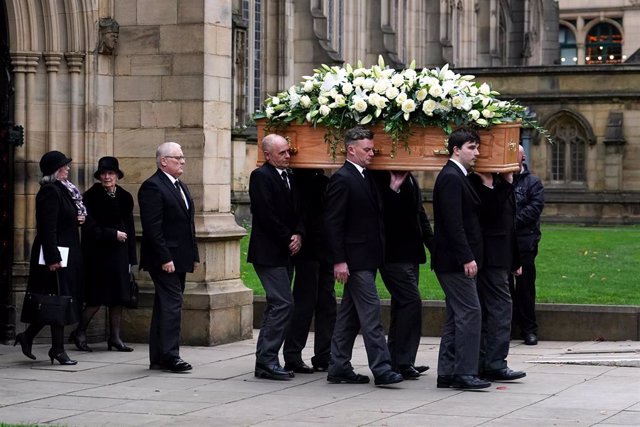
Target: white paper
point(64, 254)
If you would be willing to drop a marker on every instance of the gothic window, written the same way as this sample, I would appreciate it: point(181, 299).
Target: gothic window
point(604, 44)
point(247, 48)
point(568, 46)
point(568, 153)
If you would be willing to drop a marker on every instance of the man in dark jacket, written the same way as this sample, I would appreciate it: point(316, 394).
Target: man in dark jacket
point(529, 204)
point(168, 252)
point(406, 231)
point(355, 234)
point(501, 257)
point(456, 258)
point(276, 235)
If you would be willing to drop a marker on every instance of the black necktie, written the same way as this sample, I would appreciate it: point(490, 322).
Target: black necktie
point(286, 181)
point(182, 196)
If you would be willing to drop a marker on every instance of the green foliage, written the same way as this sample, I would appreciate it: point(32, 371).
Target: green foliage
point(575, 265)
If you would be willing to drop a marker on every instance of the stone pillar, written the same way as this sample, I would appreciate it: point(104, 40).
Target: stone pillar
point(52, 61)
point(76, 103)
point(173, 83)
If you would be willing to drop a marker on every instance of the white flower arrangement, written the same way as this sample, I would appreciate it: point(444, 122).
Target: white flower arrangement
point(339, 98)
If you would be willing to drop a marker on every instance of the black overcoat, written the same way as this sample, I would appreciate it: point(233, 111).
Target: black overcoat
point(56, 225)
point(106, 259)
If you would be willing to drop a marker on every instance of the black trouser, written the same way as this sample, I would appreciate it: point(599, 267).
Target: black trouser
point(164, 332)
point(315, 298)
point(495, 300)
point(523, 293)
point(401, 280)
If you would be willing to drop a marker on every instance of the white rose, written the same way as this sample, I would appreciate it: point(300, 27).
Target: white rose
point(429, 106)
point(308, 86)
point(484, 89)
point(275, 100)
point(324, 110)
point(269, 111)
point(457, 102)
point(482, 122)
point(421, 94)
point(305, 101)
point(368, 84)
point(397, 80)
point(474, 114)
point(409, 74)
point(339, 100)
point(347, 88)
point(358, 81)
point(322, 100)
point(381, 86)
point(436, 91)
point(408, 106)
point(360, 105)
point(488, 113)
point(392, 92)
point(400, 99)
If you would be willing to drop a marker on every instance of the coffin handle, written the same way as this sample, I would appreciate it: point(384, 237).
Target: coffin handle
point(292, 150)
point(443, 151)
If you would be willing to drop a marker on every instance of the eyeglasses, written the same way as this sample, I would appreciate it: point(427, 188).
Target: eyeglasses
point(178, 158)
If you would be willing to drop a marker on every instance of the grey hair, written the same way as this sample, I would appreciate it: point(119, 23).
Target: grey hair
point(268, 141)
point(164, 150)
point(356, 134)
point(46, 179)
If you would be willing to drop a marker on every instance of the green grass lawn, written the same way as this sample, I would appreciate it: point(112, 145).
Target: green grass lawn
point(576, 265)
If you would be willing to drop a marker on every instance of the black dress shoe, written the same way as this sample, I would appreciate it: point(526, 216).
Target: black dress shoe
point(272, 372)
point(175, 365)
point(299, 368)
point(469, 382)
point(421, 368)
point(444, 381)
point(530, 339)
point(350, 378)
point(505, 374)
point(408, 372)
point(321, 368)
point(388, 378)
point(61, 358)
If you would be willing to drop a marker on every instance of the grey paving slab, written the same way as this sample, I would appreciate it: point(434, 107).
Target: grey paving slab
point(117, 388)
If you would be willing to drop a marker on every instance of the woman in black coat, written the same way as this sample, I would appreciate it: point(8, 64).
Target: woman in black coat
point(59, 213)
point(109, 251)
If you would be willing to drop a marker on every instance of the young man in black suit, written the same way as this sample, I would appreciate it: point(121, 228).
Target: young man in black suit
point(456, 258)
point(501, 258)
point(276, 235)
point(407, 231)
point(355, 235)
point(168, 252)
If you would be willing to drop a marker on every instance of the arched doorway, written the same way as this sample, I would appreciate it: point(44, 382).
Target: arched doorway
point(7, 143)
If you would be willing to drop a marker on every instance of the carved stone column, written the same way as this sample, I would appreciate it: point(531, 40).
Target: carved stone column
point(53, 61)
point(74, 64)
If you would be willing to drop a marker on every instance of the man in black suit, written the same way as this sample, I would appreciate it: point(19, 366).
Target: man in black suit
point(314, 294)
point(276, 235)
point(456, 259)
point(356, 245)
point(501, 257)
point(168, 252)
point(407, 231)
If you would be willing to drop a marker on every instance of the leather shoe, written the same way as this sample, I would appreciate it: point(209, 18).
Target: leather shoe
point(321, 368)
point(505, 374)
point(349, 378)
point(175, 365)
point(272, 372)
point(408, 372)
point(421, 368)
point(298, 367)
point(469, 382)
point(388, 378)
point(444, 381)
point(530, 339)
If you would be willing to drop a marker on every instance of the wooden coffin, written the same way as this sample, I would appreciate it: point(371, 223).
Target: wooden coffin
point(426, 150)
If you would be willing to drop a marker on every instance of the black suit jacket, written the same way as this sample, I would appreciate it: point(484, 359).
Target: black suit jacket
point(497, 219)
point(276, 216)
point(353, 220)
point(406, 225)
point(168, 228)
point(457, 232)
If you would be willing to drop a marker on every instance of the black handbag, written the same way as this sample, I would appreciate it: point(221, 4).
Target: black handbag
point(135, 292)
point(48, 309)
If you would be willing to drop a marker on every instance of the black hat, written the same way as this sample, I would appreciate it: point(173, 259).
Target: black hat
point(52, 161)
point(108, 163)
